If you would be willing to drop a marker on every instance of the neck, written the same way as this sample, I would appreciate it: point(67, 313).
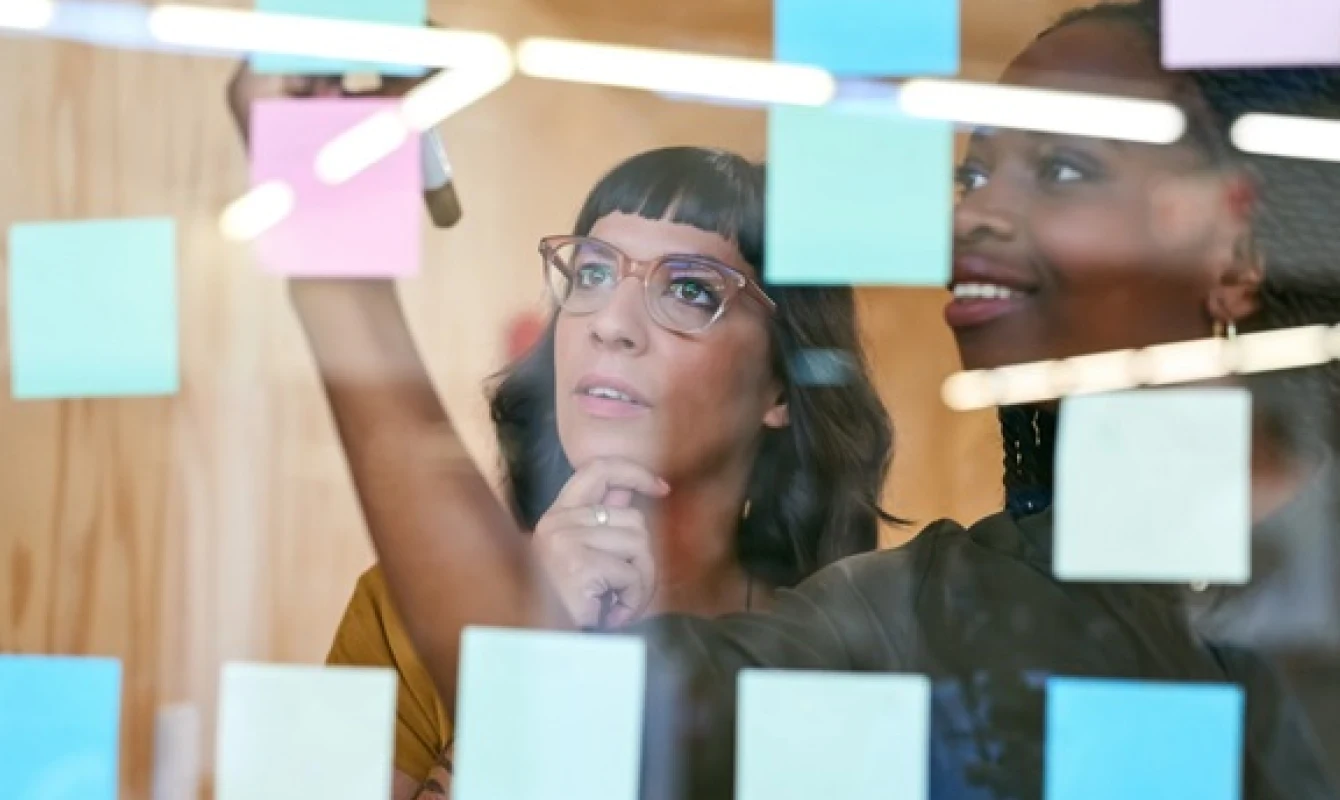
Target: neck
point(1278, 472)
point(694, 532)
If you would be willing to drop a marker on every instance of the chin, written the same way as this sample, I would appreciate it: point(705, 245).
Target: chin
point(585, 446)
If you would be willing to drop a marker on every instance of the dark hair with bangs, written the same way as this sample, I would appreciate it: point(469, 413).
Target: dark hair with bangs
point(815, 485)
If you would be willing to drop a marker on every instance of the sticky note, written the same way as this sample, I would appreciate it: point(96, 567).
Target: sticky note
point(803, 735)
point(1115, 740)
point(1250, 33)
point(367, 226)
point(548, 716)
point(290, 731)
point(858, 194)
point(388, 12)
point(93, 308)
point(60, 721)
point(1154, 487)
point(869, 38)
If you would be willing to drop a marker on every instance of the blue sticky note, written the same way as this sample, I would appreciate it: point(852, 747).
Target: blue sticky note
point(411, 13)
point(1116, 739)
point(93, 308)
point(803, 735)
point(548, 716)
point(858, 194)
point(60, 721)
point(869, 38)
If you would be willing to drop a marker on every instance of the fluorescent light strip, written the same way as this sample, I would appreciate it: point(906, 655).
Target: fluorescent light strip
point(253, 31)
point(675, 72)
point(26, 15)
point(360, 147)
point(1180, 362)
point(1043, 110)
point(1290, 137)
point(257, 211)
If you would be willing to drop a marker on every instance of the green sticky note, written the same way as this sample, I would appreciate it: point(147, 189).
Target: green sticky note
point(387, 12)
point(858, 194)
point(548, 716)
point(806, 734)
point(93, 308)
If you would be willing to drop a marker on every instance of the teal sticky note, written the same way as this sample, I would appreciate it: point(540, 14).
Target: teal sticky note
point(413, 13)
point(292, 730)
point(60, 722)
point(93, 308)
point(858, 194)
point(803, 735)
point(548, 716)
point(869, 38)
point(1154, 486)
point(1116, 740)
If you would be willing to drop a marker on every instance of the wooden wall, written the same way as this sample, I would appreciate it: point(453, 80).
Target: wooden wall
point(219, 524)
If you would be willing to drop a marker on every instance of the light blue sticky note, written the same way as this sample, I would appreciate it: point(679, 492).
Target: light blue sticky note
point(1117, 740)
point(93, 308)
point(1154, 487)
point(548, 716)
point(858, 194)
point(803, 735)
point(412, 13)
point(60, 722)
point(288, 730)
point(869, 38)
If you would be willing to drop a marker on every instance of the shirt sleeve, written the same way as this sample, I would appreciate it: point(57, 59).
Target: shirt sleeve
point(839, 619)
point(370, 635)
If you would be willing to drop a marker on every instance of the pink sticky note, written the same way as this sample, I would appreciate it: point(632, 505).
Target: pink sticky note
point(368, 226)
point(1250, 33)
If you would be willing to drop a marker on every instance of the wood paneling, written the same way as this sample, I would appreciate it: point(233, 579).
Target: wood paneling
point(220, 524)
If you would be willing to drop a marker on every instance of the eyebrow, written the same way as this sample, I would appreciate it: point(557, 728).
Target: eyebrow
point(985, 133)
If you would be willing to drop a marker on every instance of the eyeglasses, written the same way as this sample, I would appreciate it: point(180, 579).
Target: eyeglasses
point(684, 294)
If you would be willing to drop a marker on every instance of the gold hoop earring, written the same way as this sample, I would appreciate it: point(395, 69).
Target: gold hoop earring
point(1225, 330)
point(748, 504)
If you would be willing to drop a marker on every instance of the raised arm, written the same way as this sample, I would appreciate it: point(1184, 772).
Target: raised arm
point(451, 553)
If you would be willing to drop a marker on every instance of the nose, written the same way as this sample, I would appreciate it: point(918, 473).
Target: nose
point(987, 213)
point(622, 323)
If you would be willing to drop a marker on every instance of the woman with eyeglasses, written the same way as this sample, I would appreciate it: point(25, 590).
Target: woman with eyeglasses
point(664, 437)
point(1063, 246)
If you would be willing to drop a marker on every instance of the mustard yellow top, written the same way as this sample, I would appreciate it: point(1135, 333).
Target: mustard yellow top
point(370, 635)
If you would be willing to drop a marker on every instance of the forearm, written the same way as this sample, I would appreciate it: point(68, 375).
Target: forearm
point(451, 554)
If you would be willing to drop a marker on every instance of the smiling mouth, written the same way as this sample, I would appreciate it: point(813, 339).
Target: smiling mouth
point(978, 303)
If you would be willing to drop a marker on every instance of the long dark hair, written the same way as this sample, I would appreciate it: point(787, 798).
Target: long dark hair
point(815, 485)
point(1294, 231)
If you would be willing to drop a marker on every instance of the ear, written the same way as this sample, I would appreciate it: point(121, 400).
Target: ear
point(1235, 293)
point(778, 414)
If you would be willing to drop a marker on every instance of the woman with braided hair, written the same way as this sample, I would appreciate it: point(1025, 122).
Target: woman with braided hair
point(1284, 271)
point(1098, 245)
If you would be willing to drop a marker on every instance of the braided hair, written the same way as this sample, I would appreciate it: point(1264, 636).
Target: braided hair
point(1294, 232)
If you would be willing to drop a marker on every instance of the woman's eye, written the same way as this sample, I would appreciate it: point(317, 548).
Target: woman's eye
point(693, 292)
point(969, 179)
point(1058, 171)
point(593, 275)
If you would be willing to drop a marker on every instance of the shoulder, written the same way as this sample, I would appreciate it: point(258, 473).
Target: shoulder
point(370, 633)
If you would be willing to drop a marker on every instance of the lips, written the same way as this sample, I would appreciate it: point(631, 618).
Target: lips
point(984, 291)
point(610, 398)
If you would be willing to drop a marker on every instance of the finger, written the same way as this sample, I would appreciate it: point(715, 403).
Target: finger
point(591, 484)
point(579, 517)
point(618, 498)
point(296, 85)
